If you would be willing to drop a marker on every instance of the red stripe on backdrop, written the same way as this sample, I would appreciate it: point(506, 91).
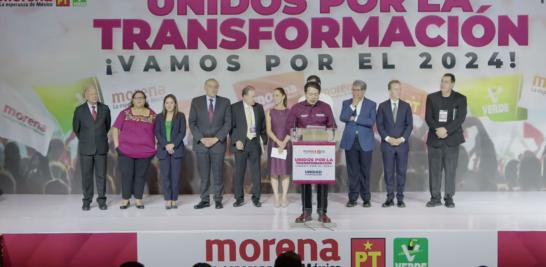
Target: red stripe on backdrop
point(62, 250)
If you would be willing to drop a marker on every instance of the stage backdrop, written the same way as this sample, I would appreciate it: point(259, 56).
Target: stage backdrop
point(51, 49)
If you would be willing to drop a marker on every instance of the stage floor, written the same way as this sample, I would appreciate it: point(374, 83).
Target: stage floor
point(474, 211)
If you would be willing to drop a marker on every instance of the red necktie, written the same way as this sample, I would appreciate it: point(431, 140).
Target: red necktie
point(94, 112)
point(211, 110)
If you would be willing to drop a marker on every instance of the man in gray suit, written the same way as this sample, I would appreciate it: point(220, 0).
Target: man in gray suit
point(210, 123)
point(91, 123)
point(248, 122)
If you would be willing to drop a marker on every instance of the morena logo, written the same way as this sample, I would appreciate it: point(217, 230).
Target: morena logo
point(251, 250)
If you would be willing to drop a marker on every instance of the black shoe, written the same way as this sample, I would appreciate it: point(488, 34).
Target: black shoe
point(218, 205)
point(102, 206)
point(201, 205)
point(350, 204)
point(86, 206)
point(449, 203)
point(388, 203)
point(366, 204)
point(174, 206)
point(168, 207)
point(434, 203)
point(238, 203)
point(257, 203)
point(401, 204)
point(140, 207)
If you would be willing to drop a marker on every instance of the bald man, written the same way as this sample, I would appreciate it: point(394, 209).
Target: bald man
point(91, 123)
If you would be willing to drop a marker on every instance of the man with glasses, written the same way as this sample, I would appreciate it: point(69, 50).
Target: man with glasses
point(358, 114)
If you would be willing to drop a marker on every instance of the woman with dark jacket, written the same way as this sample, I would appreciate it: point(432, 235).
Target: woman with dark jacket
point(170, 130)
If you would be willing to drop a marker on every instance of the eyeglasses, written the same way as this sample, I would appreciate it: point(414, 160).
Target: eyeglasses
point(139, 97)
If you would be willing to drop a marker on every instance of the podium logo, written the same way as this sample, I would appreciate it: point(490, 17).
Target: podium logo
point(410, 252)
point(63, 2)
point(367, 252)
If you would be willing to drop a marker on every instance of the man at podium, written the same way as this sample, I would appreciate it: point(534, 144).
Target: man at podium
point(312, 113)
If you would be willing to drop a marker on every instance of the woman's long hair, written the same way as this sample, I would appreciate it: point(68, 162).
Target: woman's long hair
point(175, 112)
point(146, 105)
point(285, 100)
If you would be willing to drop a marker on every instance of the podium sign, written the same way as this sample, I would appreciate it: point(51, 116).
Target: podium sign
point(314, 162)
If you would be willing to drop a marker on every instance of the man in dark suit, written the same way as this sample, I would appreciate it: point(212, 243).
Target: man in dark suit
point(445, 114)
point(91, 123)
point(247, 134)
point(358, 114)
point(210, 123)
point(394, 124)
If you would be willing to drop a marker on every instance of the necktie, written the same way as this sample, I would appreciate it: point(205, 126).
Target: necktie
point(211, 110)
point(249, 122)
point(395, 111)
point(354, 112)
point(94, 112)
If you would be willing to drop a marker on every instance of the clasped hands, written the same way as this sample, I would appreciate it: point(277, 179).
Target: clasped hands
point(441, 132)
point(209, 141)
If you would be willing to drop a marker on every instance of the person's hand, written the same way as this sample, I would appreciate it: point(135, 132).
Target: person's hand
point(214, 140)
point(279, 143)
point(170, 148)
point(239, 145)
point(355, 101)
point(206, 142)
point(352, 118)
point(282, 146)
point(391, 141)
point(441, 132)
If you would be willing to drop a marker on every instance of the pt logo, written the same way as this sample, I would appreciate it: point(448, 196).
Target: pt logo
point(63, 2)
point(410, 252)
point(368, 252)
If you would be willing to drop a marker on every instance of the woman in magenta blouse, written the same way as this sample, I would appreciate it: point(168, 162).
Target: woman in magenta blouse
point(134, 140)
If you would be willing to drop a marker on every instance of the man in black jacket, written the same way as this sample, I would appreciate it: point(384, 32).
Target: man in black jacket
point(91, 123)
point(248, 127)
point(445, 114)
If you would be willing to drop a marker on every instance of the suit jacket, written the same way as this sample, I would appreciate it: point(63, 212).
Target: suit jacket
point(200, 126)
point(387, 127)
point(363, 125)
point(178, 132)
point(92, 134)
point(239, 126)
point(456, 115)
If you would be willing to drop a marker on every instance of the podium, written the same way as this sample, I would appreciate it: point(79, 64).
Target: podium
point(313, 162)
point(313, 155)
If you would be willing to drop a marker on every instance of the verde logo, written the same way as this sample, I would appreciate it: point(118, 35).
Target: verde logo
point(410, 252)
point(80, 3)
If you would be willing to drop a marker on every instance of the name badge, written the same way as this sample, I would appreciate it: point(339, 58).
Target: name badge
point(442, 116)
point(320, 115)
point(252, 129)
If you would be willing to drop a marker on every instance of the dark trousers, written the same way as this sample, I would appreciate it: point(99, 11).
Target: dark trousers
point(133, 176)
point(442, 160)
point(395, 164)
point(205, 162)
point(252, 153)
point(307, 198)
point(358, 169)
point(93, 166)
point(170, 168)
